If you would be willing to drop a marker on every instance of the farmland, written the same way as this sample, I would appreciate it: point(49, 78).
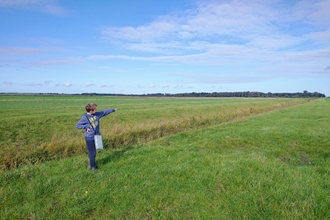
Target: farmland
point(169, 158)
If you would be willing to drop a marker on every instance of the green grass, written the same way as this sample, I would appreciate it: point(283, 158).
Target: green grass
point(40, 128)
point(273, 165)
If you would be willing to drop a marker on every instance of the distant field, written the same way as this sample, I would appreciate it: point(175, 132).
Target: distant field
point(40, 128)
point(272, 165)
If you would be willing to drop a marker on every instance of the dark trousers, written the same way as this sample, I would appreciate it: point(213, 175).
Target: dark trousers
point(91, 152)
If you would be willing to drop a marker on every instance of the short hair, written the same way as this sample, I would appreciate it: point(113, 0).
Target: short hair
point(90, 107)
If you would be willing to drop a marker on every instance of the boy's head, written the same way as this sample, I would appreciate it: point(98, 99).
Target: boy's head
point(90, 107)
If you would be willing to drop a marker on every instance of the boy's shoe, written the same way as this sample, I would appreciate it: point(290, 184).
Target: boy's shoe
point(94, 168)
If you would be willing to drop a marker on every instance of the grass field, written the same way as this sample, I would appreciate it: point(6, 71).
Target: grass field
point(240, 161)
point(40, 128)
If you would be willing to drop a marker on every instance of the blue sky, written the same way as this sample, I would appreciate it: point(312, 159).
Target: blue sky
point(157, 46)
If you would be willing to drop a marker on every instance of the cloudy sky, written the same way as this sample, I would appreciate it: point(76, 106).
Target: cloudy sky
point(157, 46)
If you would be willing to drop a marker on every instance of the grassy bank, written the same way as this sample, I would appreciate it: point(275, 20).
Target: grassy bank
point(40, 128)
point(268, 166)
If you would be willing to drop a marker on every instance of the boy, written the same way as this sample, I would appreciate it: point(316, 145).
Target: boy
point(90, 122)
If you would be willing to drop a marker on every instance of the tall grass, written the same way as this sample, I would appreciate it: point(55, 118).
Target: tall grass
point(40, 128)
point(273, 165)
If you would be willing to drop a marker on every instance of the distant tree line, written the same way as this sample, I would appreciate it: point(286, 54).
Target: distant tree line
point(304, 94)
point(247, 94)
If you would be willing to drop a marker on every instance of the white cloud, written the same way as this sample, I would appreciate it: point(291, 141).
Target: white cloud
point(210, 20)
point(19, 51)
point(313, 12)
point(67, 84)
point(55, 10)
point(18, 2)
point(47, 82)
point(89, 84)
point(215, 54)
point(55, 62)
point(106, 86)
point(178, 86)
point(270, 25)
point(320, 36)
point(277, 35)
point(46, 6)
point(34, 84)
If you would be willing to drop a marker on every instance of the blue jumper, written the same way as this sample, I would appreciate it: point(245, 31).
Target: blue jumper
point(94, 120)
